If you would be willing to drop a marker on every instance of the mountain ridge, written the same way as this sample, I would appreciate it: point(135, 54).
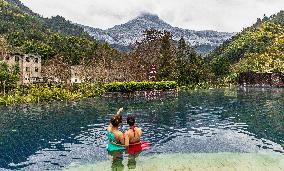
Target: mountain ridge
point(132, 31)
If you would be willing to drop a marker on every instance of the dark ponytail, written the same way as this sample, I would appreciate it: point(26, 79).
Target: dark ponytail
point(131, 120)
point(115, 120)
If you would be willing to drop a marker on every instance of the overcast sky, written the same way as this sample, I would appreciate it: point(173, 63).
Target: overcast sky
point(220, 15)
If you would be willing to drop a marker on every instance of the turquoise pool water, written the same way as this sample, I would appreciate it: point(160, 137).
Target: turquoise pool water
point(54, 136)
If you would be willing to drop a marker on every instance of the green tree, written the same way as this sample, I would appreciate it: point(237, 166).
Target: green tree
point(221, 66)
point(191, 68)
point(167, 61)
point(181, 61)
point(8, 77)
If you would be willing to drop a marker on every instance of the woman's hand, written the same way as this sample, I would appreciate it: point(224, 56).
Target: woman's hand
point(116, 144)
point(120, 110)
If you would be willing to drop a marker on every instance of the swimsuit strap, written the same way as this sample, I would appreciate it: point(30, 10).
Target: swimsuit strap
point(133, 129)
point(114, 135)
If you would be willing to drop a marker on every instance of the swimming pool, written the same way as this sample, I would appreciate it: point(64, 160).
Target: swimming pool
point(59, 135)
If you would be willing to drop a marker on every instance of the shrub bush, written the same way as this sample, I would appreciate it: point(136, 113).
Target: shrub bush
point(53, 92)
point(126, 87)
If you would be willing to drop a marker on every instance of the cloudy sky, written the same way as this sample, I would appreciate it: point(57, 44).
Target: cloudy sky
point(220, 15)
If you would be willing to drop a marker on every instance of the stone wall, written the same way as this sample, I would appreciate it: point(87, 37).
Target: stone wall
point(149, 95)
point(261, 79)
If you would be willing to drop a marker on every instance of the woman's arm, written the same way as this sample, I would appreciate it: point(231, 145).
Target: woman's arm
point(126, 137)
point(116, 144)
point(109, 127)
point(124, 145)
point(121, 138)
point(119, 111)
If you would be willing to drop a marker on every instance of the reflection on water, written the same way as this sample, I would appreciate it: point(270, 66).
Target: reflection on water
point(117, 159)
point(56, 135)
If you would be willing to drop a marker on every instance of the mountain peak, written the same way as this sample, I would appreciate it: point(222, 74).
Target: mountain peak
point(132, 31)
point(148, 16)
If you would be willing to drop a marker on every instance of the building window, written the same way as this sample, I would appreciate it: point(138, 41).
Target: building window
point(27, 59)
point(17, 58)
point(36, 60)
point(36, 69)
point(27, 69)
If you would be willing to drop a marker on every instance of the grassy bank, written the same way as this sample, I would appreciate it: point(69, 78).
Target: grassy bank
point(50, 92)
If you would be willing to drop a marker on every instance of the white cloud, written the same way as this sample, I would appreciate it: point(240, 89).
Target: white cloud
point(221, 15)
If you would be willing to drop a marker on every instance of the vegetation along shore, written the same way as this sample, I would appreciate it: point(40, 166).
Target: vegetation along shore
point(46, 59)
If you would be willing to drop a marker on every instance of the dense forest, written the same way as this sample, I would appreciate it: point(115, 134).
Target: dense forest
point(259, 48)
point(63, 44)
point(30, 33)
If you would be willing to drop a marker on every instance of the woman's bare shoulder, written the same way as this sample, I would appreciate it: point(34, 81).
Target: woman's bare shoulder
point(118, 133)
point(138, 129)
point(127, 132)
point(109, 127)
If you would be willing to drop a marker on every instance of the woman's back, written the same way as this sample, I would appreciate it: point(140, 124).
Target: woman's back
point(133, 135)
point(112, 143)
point(114, 136)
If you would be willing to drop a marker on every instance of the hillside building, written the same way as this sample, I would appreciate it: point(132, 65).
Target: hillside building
point(77, 74)
point(30, 67)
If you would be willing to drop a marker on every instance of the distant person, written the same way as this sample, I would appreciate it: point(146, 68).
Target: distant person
point(114, 136)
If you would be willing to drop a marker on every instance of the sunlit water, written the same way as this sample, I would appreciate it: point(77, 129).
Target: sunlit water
point(57, 135)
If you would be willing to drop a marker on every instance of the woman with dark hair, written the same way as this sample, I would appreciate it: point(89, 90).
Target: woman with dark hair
point(132, 136)
point(118, 115)
point(133, 142)
point(114, 136)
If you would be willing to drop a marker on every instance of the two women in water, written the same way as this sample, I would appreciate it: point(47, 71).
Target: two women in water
point(130, 140)
point(118, 142)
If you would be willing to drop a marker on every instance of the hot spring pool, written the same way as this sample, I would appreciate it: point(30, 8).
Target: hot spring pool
point(200, 125)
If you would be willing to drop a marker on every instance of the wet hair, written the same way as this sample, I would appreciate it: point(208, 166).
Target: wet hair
point(115, 120)
point(119, 117)
point(131, 120)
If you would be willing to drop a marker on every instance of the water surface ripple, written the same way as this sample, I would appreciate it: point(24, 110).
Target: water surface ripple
point(52, 136)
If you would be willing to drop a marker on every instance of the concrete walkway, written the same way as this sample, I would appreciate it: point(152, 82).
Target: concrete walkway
point(194, 162)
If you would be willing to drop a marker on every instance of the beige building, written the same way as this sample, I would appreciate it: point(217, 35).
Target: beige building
point(30, 67)
point(77, 74)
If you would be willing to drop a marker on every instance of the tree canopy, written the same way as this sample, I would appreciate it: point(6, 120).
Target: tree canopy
point(258, 48)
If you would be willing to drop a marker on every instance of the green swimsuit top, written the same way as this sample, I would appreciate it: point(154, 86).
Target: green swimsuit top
point(110, 146)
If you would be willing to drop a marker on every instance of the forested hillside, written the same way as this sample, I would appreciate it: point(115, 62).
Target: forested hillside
point(27, 32)
point(259, 48)
point(174, 60)
point(60, 42)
